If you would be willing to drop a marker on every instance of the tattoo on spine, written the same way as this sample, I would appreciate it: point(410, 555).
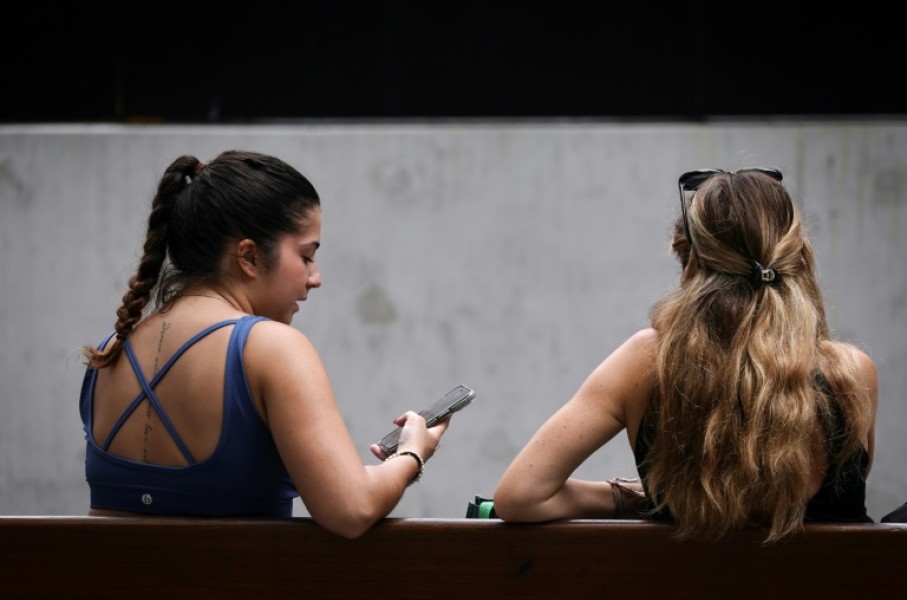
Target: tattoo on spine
point(164, 327)
point(148, 428)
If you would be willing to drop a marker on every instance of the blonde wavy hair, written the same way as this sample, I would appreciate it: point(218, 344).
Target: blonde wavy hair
point(741, 402)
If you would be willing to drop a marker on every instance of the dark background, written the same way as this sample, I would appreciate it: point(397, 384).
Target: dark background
point(321, 60)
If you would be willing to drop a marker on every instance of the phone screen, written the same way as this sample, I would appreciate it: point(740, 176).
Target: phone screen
point(452, 401)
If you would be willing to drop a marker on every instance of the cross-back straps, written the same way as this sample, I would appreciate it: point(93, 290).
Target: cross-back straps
point(148, 390)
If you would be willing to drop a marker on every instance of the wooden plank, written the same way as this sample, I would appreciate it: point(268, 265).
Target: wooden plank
point(98, 557)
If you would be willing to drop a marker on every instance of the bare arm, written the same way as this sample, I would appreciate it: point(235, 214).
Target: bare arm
point(537, 485)
point(340, 492)
point(871, 379)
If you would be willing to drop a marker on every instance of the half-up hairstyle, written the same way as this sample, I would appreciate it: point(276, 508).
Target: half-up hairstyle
point(744, 367)
point(198, 210)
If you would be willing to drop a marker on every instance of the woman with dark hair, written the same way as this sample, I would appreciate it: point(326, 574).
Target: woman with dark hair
point(739, 408)
point(204, 400)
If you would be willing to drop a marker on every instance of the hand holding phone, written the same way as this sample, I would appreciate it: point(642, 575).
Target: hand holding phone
point(451, 402)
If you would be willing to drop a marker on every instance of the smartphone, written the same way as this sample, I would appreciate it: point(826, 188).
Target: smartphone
point(451, 402)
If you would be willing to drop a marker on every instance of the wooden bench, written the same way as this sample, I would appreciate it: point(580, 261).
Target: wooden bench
point(155, 557)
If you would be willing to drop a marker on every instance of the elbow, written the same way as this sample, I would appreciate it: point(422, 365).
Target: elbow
point(351, 530)
point(520, 503)
point(507, 505)
point(510, 511)
point(349, 524)
point(504, 511)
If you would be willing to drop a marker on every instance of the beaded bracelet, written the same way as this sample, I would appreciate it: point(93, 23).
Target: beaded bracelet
point(419, 461)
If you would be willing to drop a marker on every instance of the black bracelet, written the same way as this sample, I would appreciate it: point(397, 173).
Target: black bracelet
point(419, 461)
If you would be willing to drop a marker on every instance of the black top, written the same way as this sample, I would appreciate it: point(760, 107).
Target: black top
point(842, 497)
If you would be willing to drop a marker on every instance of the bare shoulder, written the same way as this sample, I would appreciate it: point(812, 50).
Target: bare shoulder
point(861, 363)
point(274, 346)
point(273, 336)
point(620, 385)
point(283, 367)
point(866, 364)
point(641, 346)
point(644, 340)
point(868, 374)
point(636, 353)
point(629, 364)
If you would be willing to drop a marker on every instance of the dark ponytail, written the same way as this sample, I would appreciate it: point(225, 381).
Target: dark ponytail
point(174, 182)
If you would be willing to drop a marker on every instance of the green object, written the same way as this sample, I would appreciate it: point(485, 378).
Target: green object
point(482, 508)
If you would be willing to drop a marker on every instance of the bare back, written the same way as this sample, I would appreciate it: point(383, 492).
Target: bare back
point(191, 393)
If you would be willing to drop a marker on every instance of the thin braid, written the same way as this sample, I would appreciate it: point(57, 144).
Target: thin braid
point(143, 281)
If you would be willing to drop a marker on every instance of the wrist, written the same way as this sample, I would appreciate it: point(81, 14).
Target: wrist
point(420, 463)
point(628, 501)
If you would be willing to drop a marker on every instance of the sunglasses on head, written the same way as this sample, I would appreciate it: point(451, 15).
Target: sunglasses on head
point(691, 180)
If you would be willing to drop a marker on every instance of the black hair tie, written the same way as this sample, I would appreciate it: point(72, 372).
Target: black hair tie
point(760, 275)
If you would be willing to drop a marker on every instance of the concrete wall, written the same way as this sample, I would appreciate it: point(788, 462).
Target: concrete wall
point(510, 257)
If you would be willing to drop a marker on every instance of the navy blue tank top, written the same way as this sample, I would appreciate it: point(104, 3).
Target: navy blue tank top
point(244, 476)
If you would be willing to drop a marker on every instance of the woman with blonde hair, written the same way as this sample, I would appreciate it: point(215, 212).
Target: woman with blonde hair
point(739, 408)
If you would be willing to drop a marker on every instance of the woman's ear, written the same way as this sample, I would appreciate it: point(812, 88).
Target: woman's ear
point(246, 257)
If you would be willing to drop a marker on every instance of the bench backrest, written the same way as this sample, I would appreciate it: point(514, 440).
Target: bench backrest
point(128, 558)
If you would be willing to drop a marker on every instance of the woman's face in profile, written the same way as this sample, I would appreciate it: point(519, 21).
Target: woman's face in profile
point(295, 270)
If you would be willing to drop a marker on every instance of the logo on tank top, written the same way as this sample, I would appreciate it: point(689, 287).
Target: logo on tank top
point(146, 499)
